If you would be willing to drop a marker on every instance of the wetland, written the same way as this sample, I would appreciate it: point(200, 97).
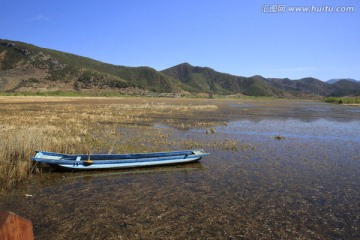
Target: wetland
point(277, 169)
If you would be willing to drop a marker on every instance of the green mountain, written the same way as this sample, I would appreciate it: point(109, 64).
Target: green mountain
point(28, 68)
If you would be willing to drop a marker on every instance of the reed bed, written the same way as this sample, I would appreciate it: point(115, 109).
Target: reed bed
point(73, 125)
point(343, 100)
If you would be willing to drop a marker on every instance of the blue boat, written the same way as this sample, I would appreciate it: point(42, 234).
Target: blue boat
point(115, 161)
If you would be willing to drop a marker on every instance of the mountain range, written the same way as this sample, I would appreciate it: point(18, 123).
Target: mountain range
point(28, 68)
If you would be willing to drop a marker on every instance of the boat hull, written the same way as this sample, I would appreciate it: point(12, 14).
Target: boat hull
point(117, 161)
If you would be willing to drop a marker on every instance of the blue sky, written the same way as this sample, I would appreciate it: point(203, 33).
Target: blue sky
point(243, 38)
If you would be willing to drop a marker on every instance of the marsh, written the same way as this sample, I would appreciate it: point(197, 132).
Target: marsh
point(305, 185)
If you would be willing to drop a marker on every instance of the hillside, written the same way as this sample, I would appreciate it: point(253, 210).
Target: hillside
point(24, 67)
point(204, 79)
point(28, 68)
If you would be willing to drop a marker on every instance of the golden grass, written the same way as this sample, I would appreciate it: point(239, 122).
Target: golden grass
point(78, 125)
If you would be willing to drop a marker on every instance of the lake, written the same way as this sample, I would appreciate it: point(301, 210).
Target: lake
point(276, 170)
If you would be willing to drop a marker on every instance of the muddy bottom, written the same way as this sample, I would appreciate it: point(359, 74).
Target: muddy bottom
point(277, 170)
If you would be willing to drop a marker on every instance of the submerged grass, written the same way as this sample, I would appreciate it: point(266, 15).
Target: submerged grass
point(78, 125)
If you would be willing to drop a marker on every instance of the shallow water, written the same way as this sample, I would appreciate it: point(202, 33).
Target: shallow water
point(305, 185)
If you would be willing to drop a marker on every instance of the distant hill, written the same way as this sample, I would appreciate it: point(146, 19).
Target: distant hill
point(312, 86)
point(303, 87)
point(28, 68)
point(346, 88)
point(331, 81)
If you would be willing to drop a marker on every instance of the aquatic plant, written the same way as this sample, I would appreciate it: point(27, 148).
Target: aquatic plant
point(279, 138)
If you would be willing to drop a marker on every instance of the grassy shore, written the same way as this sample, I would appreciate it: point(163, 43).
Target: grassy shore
point(82, 125)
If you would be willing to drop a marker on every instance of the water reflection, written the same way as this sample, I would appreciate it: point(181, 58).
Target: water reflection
point(320, 129)
point(303, 111)
point(53, 177)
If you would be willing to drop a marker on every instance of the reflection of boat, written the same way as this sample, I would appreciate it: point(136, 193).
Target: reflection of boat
point(90, 175)
point(112, 161)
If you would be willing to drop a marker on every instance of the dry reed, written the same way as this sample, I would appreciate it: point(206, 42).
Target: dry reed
point(76, 125)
